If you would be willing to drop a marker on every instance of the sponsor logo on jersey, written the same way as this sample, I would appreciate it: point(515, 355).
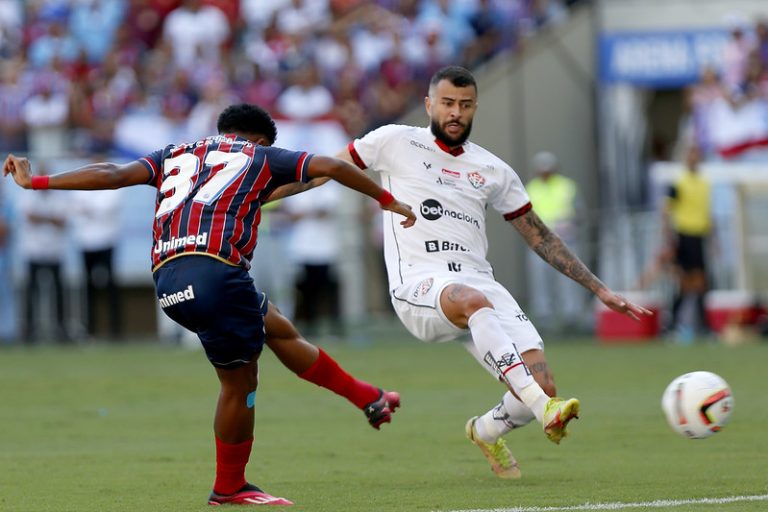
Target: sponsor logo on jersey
point(451, 174)
point(427, 165)
point(423, 287)
point(169, 300)
point(444, 246)
point(421, 146)
point(454, 267)
point(175, 243)
point(431, 209)
point(476, 179)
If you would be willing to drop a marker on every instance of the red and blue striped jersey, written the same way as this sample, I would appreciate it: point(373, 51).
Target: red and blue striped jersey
point(209, 195)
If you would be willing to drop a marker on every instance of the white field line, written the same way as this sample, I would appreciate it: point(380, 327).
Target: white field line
point(621, 506)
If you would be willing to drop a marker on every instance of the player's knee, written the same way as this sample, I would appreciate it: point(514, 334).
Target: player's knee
point(474, 300)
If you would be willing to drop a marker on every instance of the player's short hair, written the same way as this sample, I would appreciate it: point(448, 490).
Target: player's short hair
point(457, 75)
point(247, 118)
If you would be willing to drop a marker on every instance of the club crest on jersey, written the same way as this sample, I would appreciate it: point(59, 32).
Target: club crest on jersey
point(476, 179)
point(423, 287)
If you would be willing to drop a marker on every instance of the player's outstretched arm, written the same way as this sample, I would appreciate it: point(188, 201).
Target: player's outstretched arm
point(352, 177)
point(553, 250)
point(291, 189)
point(94, 176)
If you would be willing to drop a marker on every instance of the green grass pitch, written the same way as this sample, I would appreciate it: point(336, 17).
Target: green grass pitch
point(128, 428)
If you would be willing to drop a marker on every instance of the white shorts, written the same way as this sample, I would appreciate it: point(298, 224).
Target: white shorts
point(417, 304)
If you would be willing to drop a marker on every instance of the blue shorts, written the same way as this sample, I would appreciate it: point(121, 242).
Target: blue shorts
point(218, 302)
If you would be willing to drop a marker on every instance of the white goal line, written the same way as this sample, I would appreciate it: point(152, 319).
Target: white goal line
point(620, 506)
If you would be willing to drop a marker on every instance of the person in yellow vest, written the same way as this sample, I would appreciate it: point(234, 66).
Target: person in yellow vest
point(556, 301)
point(688, 224)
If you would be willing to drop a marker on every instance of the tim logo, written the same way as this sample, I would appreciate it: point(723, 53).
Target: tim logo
point(454, 267)
point(476, 179)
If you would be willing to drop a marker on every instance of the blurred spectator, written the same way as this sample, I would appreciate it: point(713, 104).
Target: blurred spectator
point(46, 116)
point(556, 300)
point(145, 20)
point(87, 14)
point(187, 41)
point(761, 42)
point(314, 247)
point(8, 331)
point(10, 27)
point(201, 121)
point(700, 99)
point(260, 13)
point(302, 16)
point(56, 43)
point(14, 92)
point(446, 19)
point(96, 227)
point(307, 98)
point(736, 52)
point(42, 245)
point(347, 107)
point(688, 224)
point(488, 32)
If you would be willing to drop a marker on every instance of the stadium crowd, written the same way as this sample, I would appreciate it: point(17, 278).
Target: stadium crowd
point(73, 70)
point(85, 78)
point(728, 108)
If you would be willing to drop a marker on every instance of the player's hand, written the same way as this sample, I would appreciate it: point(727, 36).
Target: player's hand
point(404, 210)
point(19, 168)
point(621, 305)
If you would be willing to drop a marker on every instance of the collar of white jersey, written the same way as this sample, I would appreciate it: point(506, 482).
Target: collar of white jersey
point(457, 151)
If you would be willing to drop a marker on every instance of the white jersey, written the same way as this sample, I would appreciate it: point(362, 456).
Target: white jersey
point(448, 189)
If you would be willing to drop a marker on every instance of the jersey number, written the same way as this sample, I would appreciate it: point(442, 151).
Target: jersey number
point(187, 165)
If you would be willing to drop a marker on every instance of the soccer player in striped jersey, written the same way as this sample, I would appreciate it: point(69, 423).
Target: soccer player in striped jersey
point(442, 285)
point(209, 195)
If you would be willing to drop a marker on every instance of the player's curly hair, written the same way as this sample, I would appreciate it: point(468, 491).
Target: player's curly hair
point(457, 75)
point(247, 118)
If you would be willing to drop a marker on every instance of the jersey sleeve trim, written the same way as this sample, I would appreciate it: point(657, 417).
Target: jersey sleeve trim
point(301, 167)
point(520, 211)
point(356, 156)
point(151, 167)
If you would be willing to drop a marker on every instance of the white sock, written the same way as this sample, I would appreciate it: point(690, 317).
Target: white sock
point(508, 415)
point(500, 354)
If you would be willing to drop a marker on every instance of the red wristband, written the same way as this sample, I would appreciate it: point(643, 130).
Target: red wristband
point(385, 198)
point(40, 182)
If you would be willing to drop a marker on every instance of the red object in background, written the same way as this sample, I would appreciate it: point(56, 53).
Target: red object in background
point(732, 307)
point(612, 327)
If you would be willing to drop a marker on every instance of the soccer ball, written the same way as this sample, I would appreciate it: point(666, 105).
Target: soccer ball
point(697, 404)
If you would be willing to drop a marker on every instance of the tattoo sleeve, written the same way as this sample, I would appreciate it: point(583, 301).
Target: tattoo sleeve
point(554, 251)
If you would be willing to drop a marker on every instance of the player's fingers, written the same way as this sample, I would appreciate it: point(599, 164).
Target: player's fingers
point(640, 310)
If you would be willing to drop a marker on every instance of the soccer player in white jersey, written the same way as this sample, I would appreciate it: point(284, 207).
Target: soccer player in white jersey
point(439, 279)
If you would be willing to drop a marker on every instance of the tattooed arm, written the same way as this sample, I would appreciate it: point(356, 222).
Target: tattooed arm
point(553, 250)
